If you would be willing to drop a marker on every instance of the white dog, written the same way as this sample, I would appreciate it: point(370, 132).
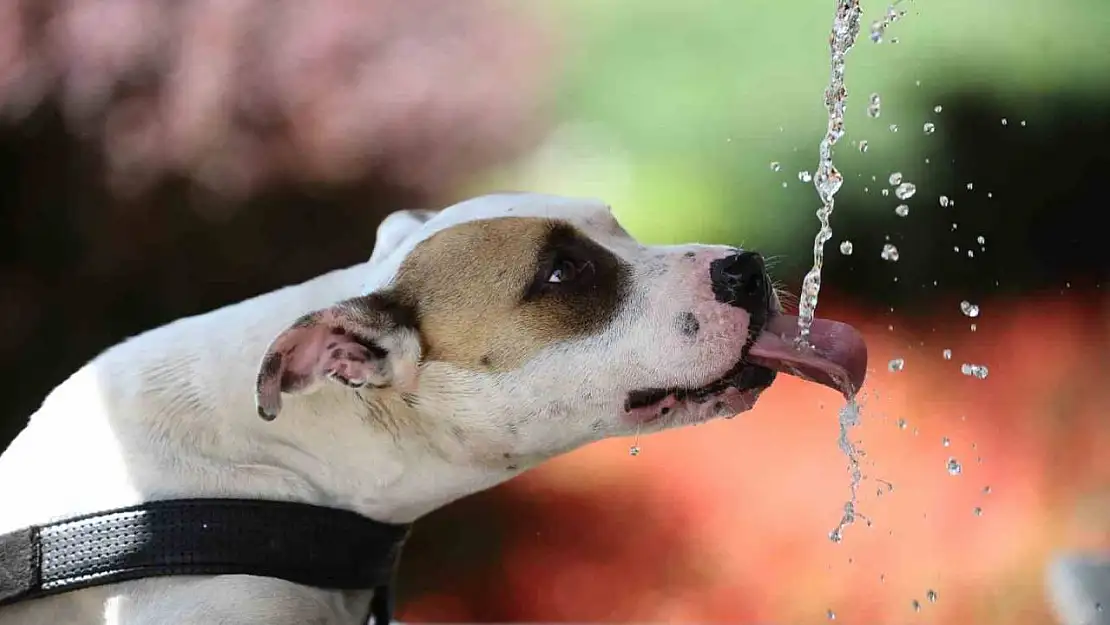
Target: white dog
point(477, 342)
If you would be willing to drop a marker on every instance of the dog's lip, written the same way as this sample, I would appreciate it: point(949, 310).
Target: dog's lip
point(743, 376)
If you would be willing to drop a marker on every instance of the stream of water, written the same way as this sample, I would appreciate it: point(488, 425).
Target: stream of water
point(827, 179)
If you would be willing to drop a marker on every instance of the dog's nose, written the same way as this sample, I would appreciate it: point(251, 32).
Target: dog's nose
point(741, 280)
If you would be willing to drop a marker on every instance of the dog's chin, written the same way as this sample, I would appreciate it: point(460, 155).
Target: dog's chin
point(727, 396)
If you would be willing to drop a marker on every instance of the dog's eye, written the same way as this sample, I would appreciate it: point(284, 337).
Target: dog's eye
point(563, 272)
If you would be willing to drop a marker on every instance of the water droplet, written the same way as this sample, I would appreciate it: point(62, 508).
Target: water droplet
point(863, 146)
point(874, 106)
point(634, 450)
point(931, 595)
point(938, 108)
point(981, 240)
point(885, 192)
point(895, 179)
point(916, 605)
point(986, 490)
point(944, 441)
point(969, 309)
point(929, 128)
point(1005, 122)
point(805, 176)
point(1023, 123)
point(977, 371)
point(901, 210)
point(893, 127)
point(905, 190)
point(1098, 607)
point(889, 253)
point(831, 615)
point(989, 194)
point(902, 424)
point(944, 200)
point(977, 511)
point(896, 365)
point(974, 327)
point(954, 467)
point(846, 248)
point(971, 186)
point(947, 354)
point(776, 166)
point(877, 31)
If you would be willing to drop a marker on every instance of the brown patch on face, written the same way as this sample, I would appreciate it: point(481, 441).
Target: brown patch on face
point(483, 297)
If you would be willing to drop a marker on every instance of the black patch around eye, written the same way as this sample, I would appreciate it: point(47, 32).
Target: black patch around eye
point(596, 292)
point(570, 252)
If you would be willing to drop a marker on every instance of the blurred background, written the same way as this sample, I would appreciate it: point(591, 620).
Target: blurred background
point(162, 158)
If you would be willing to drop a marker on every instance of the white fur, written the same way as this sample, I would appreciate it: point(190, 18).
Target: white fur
point(170, 413)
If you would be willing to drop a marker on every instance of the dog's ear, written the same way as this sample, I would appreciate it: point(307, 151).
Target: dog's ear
point(364, 341)
point(397, 227)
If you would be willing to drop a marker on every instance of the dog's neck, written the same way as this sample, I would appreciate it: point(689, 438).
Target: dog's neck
point(171, 414)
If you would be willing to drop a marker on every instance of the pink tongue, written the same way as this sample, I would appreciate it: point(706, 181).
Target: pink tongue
point(837, 357)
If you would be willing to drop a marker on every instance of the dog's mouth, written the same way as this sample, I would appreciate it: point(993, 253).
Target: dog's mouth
point(743, 376)
point(836, 357)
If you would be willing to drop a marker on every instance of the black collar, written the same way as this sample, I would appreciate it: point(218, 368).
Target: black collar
point(301, 543)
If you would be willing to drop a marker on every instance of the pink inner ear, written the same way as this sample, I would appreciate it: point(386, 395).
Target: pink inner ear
point(317, 347)
point(306, 352)
point(323, 351)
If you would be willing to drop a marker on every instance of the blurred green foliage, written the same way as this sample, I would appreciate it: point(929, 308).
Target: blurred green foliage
point(674, 111)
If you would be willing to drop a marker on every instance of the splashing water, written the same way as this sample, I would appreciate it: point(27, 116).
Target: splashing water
point(874, 106)
point(889, 253)
point(905, 191)
point(827, 179)
point(975, 371)
point(849, 417)
point(954, 467)
point(878, 27)
point(634, 450)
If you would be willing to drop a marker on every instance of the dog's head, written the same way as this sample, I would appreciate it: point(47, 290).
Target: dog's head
point(539, 323)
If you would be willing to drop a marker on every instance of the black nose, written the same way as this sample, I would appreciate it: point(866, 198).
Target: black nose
point(740, 280)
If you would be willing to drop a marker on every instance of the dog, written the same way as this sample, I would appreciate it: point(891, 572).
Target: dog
point(477, 342)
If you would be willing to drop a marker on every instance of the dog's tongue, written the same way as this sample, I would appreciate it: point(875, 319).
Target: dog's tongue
point(837, 356)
